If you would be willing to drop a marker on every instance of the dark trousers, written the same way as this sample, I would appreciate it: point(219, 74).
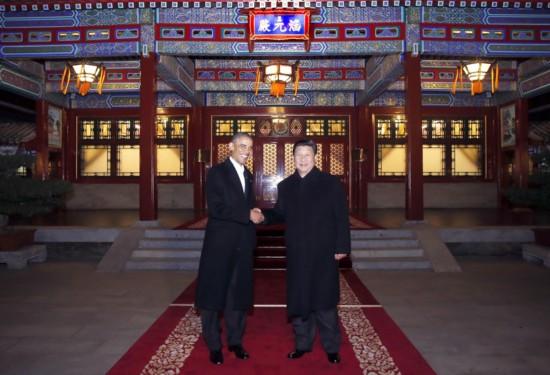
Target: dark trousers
point(235, 321)
point(329, 330)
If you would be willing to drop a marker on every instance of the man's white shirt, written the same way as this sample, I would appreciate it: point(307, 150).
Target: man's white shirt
point(240, 172)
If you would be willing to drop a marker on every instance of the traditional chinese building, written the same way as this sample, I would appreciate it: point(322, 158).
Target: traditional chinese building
point(384, 87)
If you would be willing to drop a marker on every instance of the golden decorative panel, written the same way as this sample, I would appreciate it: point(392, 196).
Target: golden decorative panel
point(315, 127)
point(337, 127)
point(319, 157)
point(269, 159)
point(337, 162)
point(224, 127)
point(246, 126)
point(289, 160)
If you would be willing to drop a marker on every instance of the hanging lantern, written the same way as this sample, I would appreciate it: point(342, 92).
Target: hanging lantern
point(476, 73)
point(277, 74)
point(85, 74)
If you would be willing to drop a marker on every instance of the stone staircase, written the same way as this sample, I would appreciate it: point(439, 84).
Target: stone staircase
point(379, 249)
point(387, 249)
point(167, 249)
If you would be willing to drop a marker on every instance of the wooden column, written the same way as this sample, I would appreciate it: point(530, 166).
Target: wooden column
point(199, 157)
point(41, 141)
point(360, 159)
point(147, 153)
point(413, 112)
point(521, 157)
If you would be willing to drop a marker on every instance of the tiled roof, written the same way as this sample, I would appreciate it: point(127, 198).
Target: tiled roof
point(12, 133)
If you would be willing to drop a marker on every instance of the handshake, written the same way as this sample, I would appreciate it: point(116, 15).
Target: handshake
point(256, 215)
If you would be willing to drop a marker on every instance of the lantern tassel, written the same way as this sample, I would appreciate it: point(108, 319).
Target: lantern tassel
point(65, 80)
point(297, 81)
point(257, 84)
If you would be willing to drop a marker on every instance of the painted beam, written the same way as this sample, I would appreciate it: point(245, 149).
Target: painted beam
point(178, 73)
point(381, 77)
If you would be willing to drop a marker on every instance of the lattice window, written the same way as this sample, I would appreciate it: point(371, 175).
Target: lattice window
point(391, 160)
point(246, 126)
point(433, 160)
point(170, 160)
point(467, 160)
point(337, 161)
point(457, 129)
point(290, 167)
point(319, 157)
point(223, 152)
point(127, 160)
point(315, 127)
point(170, 128)
point(269, 159)
point(224, 127)
point(95, 161)
point(474, 129)
point(337, 127)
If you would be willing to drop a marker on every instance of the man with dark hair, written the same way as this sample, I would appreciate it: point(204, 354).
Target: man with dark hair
point(313, 205)
point(225, 269)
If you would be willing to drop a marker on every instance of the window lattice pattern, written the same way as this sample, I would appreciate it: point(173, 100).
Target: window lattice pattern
point(337, 159)
point(391, 160)
point(467, 160)
point(319, 157)
point(170, 160)
point(337, 127)
point(270, 159)
point(246, 126)
point(315, 127)
point(289, 160)
point(223, 152)
point(224, 127)
point(95, 161)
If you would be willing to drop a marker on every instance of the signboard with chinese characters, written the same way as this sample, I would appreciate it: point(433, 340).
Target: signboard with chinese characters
point(279, 25)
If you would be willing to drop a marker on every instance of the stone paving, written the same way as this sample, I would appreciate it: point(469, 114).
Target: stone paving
point(66, 318)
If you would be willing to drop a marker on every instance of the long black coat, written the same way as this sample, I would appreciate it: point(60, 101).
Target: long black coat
point(229, 241)
point(315, 211)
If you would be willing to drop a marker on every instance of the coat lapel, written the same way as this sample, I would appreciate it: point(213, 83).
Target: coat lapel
point(234, 176)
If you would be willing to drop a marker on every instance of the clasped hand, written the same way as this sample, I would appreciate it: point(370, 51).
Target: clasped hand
point(256, 215)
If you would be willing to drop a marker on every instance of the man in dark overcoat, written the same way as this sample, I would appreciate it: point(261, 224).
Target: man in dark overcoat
point(225, 270)
point(313, 205)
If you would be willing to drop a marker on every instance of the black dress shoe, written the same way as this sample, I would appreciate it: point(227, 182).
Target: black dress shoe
point(239, 351)
point(296, 354)
point(216, 357)
point(333, 357)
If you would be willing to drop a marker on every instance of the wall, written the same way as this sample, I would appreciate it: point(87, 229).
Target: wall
point(436, 195)
point(126, 196)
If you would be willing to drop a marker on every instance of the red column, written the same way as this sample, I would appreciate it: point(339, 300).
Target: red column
point(41, 141)
point(413, 112)
point(359, 158)
point(521, 170)
point(199, 158)
point(147, 154)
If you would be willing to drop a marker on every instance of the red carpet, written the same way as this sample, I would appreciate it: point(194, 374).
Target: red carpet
point(372, 343)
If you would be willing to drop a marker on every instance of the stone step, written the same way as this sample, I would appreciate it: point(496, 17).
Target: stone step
point(270, 251)
point(387, 253)
point(357, 234)
point(384, 244)
point(397, 263)
point(166, 254)
point(171, 244)
point(270, 241)
point(171, 234)
point(536, 253)
point(155, 264)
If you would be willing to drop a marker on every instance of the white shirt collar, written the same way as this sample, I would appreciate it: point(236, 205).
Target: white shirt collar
point(238, 167)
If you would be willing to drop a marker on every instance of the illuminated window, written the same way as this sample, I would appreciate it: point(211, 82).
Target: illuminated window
point(433, 160)
point(391, 160)
point(170, 160)
point(467, 160)
point(315, 127)
point(128, 160)
point(95, 161)
point(451, 146)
